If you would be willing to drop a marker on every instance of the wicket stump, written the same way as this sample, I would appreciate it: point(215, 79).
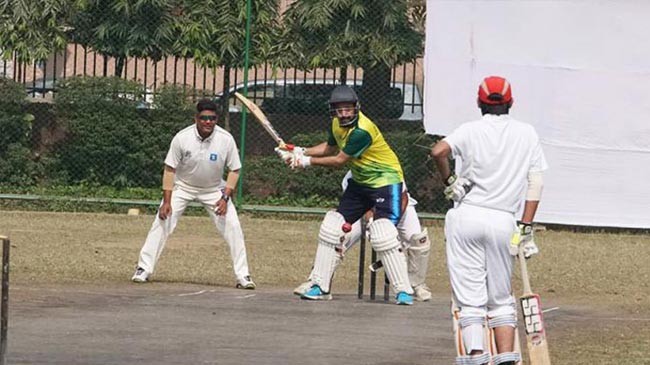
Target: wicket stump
point(362, 268)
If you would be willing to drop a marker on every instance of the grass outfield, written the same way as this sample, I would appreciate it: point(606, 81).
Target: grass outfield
point(606, 273)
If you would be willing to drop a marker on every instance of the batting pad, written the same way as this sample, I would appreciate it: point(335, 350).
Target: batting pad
point(504, 320)
point(327, 259)
point(383, 237)
point(418, 257)
point(507, 358)
point(481, 359)
point(331, 230)
point(460, 337)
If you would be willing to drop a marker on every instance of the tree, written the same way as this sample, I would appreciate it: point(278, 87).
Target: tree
point(126, 28)
point(213, 33)
point(33, 30)
point(417, 12)
point(372, 34)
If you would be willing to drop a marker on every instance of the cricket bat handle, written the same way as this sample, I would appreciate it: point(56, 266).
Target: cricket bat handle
point(524, 271)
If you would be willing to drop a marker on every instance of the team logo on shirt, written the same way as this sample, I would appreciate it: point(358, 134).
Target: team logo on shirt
point(213, 157)
point(188, 154)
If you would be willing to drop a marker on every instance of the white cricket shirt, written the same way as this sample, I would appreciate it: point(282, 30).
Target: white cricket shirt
point(200, 163)
point(496, 153)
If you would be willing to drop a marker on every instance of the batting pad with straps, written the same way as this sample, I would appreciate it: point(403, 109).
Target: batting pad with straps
point(505, 316)
point(383, 238)
point(507, 358)
point(331, 235)
point(418, 257)
point(470, 333)
point(475, 330)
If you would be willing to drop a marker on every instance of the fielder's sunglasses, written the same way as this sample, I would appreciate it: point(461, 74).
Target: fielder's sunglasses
point(208, 117)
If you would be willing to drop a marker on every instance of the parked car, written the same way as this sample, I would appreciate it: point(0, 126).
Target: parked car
point(40, 89)
point(310, 97)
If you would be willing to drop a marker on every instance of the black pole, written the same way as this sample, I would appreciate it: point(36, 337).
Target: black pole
point(362, 258)
point(4, 305)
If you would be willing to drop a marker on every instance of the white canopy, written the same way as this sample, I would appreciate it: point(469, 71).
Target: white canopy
point(580, 73)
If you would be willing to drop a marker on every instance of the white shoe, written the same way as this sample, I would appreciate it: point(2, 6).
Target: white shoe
point(246, 283)
point(422, 293)
point(140, 276)
point(303, 288)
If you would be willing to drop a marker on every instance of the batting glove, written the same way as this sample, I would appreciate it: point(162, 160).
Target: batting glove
point(300, 151)
point(294, 156)
point(530, 249)
point(457, 187)
point(285, 155)
point(523, 239)
point(300, 161)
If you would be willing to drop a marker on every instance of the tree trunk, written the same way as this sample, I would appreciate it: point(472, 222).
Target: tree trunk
point(375, 91)
point(343, 78)
point(105, 65)
point(119, 66)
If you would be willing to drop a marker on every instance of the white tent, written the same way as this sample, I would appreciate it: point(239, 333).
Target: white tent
point(580, 73)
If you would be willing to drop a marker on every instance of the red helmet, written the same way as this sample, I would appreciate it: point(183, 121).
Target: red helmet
point(495, 90)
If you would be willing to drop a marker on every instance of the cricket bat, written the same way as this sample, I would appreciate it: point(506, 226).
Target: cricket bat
point(264, 121)
point(531, 307)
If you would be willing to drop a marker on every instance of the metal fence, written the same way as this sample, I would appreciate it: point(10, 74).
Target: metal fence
point(97, 127)
point(41, 79)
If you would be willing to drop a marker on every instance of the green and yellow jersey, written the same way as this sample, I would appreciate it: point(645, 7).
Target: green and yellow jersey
point(373, 163)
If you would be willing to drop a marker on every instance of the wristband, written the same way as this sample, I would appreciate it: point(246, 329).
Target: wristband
point(306, 161)
point(451, 179)
point(224, 197)
point(525, 228)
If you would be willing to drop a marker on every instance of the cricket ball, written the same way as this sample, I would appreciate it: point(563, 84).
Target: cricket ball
point(347, 227)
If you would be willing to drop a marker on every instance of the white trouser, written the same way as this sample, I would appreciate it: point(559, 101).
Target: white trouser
point(228, 226)
point(479, 263)
point(409, 224)
point(407, 227)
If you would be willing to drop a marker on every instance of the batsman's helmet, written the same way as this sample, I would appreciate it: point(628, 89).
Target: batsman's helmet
point(344, 94)
point(495, 90)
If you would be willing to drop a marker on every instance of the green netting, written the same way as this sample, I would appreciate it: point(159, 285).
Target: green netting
point(94, 91)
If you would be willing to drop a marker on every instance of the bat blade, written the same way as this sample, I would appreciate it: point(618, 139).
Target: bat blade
point(261, 118)
point(535, 332)
point(531, 307)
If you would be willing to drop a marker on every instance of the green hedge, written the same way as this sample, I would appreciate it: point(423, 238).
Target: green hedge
point(17, 163)
point(101, 142)
point(268, 180)
point(111, 139)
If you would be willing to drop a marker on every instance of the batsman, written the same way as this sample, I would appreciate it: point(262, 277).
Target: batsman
point(499, 164)
point(377, 179)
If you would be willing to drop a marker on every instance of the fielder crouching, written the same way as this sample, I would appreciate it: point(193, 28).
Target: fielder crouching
point(194, 169)
point(501, 164)
point(376, 183)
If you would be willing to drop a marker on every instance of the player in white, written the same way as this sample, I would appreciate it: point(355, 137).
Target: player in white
point(414, 239)
point(194, 170)
point(499, 164)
